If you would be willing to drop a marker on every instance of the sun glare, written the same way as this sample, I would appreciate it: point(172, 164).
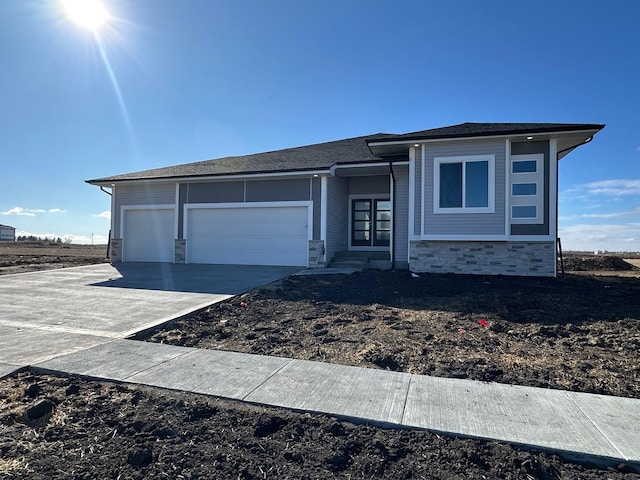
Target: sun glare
point(90, 14)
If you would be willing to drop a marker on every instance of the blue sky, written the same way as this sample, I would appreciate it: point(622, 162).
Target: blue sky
point(182, 81)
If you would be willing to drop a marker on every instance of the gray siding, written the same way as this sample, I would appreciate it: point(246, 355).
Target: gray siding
point(378, 184)
point(401, 218)
point(337, 216)
point(279, 190)
point(316, 194)
point(461, 223)
point(141, 194)
point(524, 148)
point(221, 192)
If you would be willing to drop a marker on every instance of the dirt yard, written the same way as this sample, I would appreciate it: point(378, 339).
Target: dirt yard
point(21, 257)
point(580, 333)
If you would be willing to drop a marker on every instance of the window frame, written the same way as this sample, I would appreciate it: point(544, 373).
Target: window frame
point(491, 187)
point(535, 207)
point(520, 195)
point(536, 177)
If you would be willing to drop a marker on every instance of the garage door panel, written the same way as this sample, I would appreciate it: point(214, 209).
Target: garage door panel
point(248, 236)
point(148, 235)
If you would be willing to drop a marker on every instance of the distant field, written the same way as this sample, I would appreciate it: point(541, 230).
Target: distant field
point(20, 257)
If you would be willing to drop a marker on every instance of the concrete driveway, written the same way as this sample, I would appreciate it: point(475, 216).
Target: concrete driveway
point(56, 312)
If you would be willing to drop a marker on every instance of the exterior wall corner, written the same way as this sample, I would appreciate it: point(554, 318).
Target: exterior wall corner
point(316, 254)
point(180, 250)
point(116, 250)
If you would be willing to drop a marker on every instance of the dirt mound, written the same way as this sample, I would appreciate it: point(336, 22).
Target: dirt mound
point(609, 263)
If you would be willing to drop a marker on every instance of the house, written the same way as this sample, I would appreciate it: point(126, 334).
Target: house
point(477, 198)
point(7, 233)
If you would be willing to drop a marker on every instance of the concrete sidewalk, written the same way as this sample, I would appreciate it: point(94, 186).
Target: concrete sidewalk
point(581, 426)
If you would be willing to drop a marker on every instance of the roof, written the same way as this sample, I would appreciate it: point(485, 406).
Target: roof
point(467, 130)
point(323, 156)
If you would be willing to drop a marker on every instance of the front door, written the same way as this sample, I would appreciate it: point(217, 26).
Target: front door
point(370, 222)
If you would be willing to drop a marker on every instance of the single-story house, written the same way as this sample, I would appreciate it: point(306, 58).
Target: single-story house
point(7, 233)
point(477, 198)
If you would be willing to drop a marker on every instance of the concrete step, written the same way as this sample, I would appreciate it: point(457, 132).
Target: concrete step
point(362, 260)
point(360, 264)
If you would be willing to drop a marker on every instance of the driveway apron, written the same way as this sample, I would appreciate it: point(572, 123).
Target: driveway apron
point(56, 312)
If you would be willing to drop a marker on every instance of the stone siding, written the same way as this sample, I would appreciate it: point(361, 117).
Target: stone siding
point(484, 258)
point(316, 254)
point(116, 250)
point(180, 251)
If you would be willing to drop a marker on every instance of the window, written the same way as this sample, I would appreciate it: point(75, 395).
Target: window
point(524, 211)
point(524, 166)
point(521, 189)
point(464, 184)
point(527, 187)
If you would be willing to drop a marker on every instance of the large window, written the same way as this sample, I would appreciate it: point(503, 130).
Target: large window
point(464, 184)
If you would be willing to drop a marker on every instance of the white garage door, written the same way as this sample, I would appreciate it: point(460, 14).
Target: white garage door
point(148, 235)
point(248, 235)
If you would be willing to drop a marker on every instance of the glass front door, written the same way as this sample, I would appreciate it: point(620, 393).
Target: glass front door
point(370, 222)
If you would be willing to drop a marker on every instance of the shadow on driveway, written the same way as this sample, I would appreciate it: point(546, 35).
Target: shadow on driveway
point(195, 278)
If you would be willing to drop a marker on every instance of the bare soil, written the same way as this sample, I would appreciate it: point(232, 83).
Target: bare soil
point(70, 428)
point(21, 257)
point(580, 333)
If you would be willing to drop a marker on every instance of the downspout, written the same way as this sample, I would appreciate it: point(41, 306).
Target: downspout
point(393, 216)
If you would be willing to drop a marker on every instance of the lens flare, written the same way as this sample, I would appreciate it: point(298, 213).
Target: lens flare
point(90, 14)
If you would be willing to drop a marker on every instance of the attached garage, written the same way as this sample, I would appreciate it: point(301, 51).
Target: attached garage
point(148, 234)
point(261, 234)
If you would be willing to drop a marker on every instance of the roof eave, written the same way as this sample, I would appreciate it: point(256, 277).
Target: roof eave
point(522, 133)
point(107, 182)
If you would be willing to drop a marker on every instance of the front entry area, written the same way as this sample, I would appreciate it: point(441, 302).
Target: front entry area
point(370, 222)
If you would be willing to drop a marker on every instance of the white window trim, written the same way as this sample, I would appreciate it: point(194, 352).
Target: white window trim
point(526, 219)
point(524, 182)
point(529, 159)
point(491, 162)
point(537, 200)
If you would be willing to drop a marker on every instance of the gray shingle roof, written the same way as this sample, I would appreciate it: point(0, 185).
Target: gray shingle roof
point(323, 156)
point(487, 129)
point(311, 157)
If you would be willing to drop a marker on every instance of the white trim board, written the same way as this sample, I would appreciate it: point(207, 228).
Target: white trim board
point(483, 238)
point(323, 210)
